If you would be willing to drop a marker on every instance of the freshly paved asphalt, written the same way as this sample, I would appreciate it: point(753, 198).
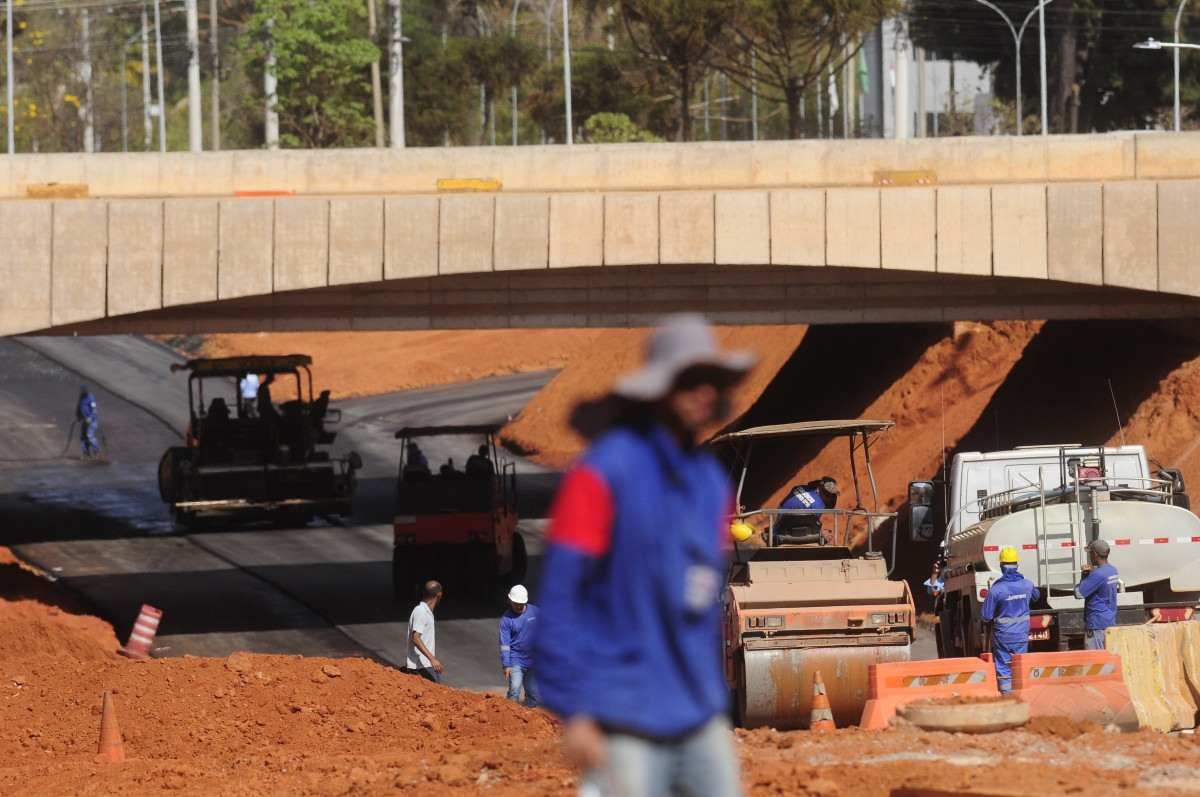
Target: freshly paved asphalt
point(320, 590)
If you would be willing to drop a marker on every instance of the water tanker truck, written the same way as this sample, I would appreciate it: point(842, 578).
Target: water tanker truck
point(1050, 503)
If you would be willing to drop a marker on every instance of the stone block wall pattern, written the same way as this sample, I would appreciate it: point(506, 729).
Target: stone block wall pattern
point(808, 255)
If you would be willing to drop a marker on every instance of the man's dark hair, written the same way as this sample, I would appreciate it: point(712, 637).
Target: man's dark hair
point(431, 590)
point(483, 450)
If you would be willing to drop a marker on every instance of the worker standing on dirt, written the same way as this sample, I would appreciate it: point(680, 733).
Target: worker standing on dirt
point(516, 646)
point(1006, 611)
point(628, 644)
point(1098, 590)
point(421, 641)
point(88, 416)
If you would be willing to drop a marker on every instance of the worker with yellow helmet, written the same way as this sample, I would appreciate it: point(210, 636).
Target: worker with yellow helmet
point(1006, 612)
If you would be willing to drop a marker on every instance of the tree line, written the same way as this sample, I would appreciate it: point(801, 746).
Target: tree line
point(491, 71)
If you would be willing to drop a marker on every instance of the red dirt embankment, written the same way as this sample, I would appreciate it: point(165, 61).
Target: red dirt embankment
point(353, 364)
point(543, 429)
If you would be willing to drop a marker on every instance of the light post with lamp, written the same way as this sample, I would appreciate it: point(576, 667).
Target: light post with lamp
point(1017, 33)
point(1175, 47)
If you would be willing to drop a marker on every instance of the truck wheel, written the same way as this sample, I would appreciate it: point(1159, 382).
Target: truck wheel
point(520, 560)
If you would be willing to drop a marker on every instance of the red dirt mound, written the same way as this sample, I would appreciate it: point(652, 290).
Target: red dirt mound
point(368, 363)
point(543, 431)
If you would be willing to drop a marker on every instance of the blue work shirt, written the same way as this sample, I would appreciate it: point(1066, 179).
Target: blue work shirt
point(1099, 593)
point(803, 498)
point(630, 627)
point(1007, 606)
point(86, 409)
point(516, 637)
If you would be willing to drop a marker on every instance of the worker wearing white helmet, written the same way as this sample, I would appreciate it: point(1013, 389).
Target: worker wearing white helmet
point(516, 646)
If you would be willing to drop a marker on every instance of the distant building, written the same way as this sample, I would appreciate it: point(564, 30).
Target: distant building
point(893, 65)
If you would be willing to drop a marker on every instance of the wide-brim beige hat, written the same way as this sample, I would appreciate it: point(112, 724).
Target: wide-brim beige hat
point(680, 343)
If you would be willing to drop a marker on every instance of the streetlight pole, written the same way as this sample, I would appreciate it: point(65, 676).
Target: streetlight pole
point(1178, 16)
point(1176, 46)
point(8, 71)
point(162, 102)
point(1041, 9)
point(566, 15)
point(396, 76)
point(1017, 33)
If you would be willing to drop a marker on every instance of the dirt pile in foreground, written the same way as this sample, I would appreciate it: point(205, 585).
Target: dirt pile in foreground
point(256, 724)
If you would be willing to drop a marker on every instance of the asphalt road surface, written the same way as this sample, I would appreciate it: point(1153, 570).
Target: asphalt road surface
point(324, 589)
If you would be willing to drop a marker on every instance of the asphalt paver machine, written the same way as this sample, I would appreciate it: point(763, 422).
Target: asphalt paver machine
point(245, 462)
point(809, 591)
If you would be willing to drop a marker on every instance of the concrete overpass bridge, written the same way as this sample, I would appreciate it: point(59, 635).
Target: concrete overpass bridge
point(773, 232)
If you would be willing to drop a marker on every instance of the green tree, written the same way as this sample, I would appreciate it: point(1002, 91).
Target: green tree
point(600, 82)
point(323, 55)
point(795, 42)
point(679, 37)
point(614, 128)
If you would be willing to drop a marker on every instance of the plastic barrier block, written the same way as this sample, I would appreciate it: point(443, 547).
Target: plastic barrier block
point(894, 684)
point(1177, 693)
point(1143, 675)
point(1083, 685)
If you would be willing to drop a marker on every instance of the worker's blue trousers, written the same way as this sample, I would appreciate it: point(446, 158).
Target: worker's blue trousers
point(1002, 653)
point(87, 435)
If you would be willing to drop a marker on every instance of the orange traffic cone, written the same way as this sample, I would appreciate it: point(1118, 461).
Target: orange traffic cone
point(111, 749)
point(821, 719)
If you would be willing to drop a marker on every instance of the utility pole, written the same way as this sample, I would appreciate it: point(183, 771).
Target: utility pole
point(396, 75)
point(1017, 34)
point(214, 48)
point(376, 84)
point(512, 30)
point(921, 103)
point(85, 74)
point(270, 91)
point(566, 14)
point(1174, 55)
point(162, 100)
point(147, 125)
point(903, 115)
point(7, 33)
point(195, 102)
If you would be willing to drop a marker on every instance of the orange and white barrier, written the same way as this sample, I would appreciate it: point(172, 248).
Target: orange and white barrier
point(142, 635)
point(894, 684)
point(1083, 685)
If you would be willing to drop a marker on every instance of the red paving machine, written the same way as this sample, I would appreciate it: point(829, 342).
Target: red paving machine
point(456, 526)
point(801, 599)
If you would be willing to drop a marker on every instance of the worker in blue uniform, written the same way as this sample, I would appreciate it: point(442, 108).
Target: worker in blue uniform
point(1006, 611)
point(89, 422)
point(819, 494)
point(1098, 590)
point(516, 646)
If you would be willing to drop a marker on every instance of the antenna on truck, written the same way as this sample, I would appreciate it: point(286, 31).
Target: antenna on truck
point(1116, 411)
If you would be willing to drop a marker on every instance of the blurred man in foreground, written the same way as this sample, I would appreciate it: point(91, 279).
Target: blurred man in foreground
point(628, 647)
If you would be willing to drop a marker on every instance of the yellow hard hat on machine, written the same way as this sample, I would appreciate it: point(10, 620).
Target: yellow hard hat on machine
point(1008, 555)
point(740, 530)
